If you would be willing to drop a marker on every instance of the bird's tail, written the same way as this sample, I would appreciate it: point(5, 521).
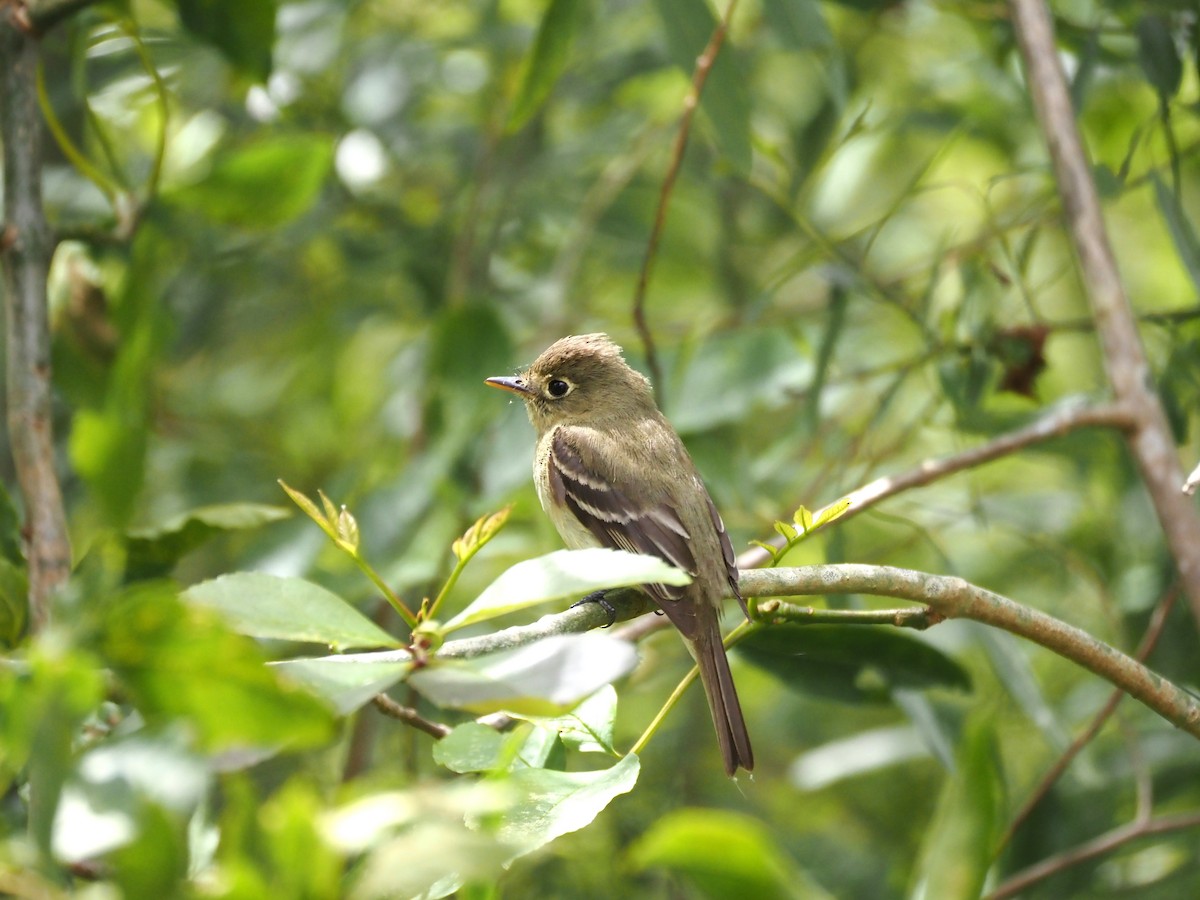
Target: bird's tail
point(723, 700)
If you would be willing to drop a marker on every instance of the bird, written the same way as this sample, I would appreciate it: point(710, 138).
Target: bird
point(611, 471)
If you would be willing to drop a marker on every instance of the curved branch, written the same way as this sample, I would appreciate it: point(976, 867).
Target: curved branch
point(955, 598)
point(948, 596)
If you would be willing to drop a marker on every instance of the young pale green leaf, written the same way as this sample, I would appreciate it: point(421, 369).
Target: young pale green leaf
point(153, 552)
point(555, 803)
point(565, 573)
point(960, 842)
point(786, 531)
point(330, 508)
point(484, 529)
point(829, 513)
point(309, 508)
point(347, 530)
point(543, 679)
point(724, 854)
point(289, 609)
point(348, 680)
point(854, 664)
point(551, 53)
point(803, 518)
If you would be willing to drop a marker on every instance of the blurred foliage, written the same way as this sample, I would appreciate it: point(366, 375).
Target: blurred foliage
point(347, 214)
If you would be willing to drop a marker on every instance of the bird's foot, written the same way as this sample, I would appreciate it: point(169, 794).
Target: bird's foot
point(599, 597)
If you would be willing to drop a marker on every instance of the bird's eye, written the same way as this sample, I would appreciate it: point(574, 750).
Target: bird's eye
point(557, 388)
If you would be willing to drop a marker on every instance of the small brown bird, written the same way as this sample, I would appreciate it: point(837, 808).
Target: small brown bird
point(610, 471)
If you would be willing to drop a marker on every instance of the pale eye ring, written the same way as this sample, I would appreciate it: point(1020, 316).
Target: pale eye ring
point(556, 388)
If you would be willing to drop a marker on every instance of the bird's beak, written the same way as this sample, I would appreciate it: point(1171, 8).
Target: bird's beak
point(516, 385)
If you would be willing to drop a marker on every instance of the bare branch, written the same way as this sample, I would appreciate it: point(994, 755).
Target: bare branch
point(1150, 440)
point(1105, 843)
point(1054, 424)
point(704, 64)
point(28, 245)
point(410, 716)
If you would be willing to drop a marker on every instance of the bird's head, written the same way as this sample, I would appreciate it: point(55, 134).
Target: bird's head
point(580, 379)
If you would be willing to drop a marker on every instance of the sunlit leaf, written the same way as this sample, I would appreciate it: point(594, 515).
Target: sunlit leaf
point(546, 678)
point(263, 184)
point(289, 609)
point(348, 680)
point(470, 747)
point(565, 573)
point(555, 803)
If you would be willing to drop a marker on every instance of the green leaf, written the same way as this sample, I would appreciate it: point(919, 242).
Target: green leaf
point(471, 747)
point(688, 26)
point(589, 726)
point(289, 609)
point(543, 679)
point(153, 551)
point(565, 573)
point(851, 663)
point(14, 602)
point(1183, 235)
point(1158, 56)
point(178, 661)
point(43, 702)
point(551, 53)
point(960, 842)
point(10, 529)
point(555, 803)
point(243, 30)
point(349, 680)
point(833, 511)
point(725, 855)
point(858, 754)
point(798, 23)
point(263, 184)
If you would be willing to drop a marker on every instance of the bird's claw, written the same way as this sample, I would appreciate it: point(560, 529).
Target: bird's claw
point(599, 597)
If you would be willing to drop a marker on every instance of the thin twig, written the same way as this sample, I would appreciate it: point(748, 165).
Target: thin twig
point(1149, 639)
point(1150, 441)
point(410, 716)
point(704, 64)
point(1054, 424)
point(1097, 847)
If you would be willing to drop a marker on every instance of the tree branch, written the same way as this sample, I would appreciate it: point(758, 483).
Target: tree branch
point(27, 248)
point(1057, 423)
point(947, 596)
point(1150, 440)
point(410, 716)
point(1094, 848)
point(704, 64)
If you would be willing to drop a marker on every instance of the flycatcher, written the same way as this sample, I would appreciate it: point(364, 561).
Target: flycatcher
point(610, 471)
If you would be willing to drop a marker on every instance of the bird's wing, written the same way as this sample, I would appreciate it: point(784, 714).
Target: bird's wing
point(616, 518)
